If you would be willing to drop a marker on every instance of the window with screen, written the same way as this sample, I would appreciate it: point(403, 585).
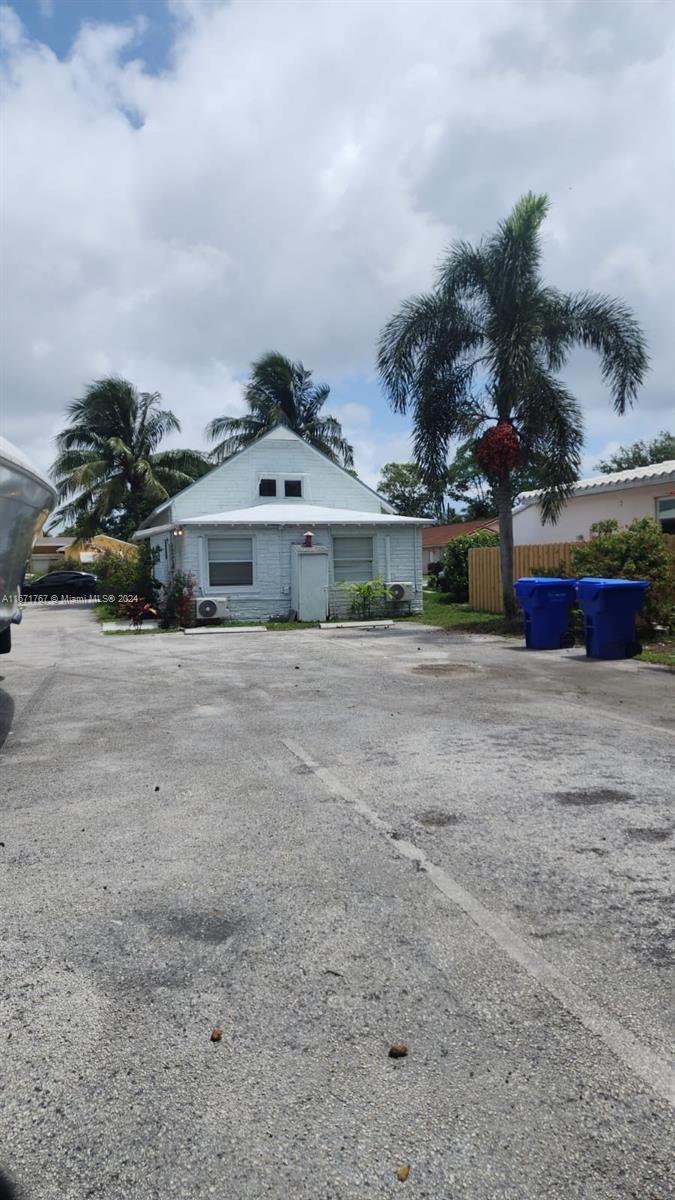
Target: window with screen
point(665, 513)
point(267, 487)
point(292, 487)
point(352, 559)
point(230, 562)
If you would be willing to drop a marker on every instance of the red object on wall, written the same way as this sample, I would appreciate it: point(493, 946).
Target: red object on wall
point(309, 540)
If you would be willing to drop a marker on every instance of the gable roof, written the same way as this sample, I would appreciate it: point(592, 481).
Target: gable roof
point(276, 433)
point(440, 535)
point(663, 472)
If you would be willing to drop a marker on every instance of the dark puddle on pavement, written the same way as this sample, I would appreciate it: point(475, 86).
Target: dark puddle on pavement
point(212, 927)
point(436, 819)
point(445, 668)
point(592, 796)
point(648, 835)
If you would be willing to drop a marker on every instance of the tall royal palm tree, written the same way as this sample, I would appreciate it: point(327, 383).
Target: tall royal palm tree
point(108, 469)
point(480, 353)
point(281, 392)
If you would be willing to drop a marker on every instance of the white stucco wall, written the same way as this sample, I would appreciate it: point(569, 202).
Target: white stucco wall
point(397, 556)
point(581, 512)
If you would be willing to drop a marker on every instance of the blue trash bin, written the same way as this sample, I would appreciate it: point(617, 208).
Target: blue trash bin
point(609, 607)
point(546, 605)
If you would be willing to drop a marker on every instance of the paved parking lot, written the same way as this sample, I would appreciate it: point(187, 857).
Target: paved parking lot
point(325, 843)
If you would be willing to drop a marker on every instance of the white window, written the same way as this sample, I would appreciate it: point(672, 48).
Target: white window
point(230, 562)
point(352, 559)
point(665, 513)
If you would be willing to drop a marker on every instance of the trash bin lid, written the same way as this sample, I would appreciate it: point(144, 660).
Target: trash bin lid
point(544, 581)
point(591, 582)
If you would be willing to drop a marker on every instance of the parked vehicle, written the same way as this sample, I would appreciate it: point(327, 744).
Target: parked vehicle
point(26, 499)
point(61, 585)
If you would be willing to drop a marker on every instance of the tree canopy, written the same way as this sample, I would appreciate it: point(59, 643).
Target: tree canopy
point(280, 391)
point(640, 454)
point(109, 470)
point(479, 356)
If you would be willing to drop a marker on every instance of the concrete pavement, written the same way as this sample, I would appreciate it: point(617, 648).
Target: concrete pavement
point(324, 842)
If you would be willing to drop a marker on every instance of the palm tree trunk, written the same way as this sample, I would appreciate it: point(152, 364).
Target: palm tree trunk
point(502, 494)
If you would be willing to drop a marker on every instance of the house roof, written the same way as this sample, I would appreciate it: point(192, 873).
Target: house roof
point(440, 535)
point(301, 515)
point(52, 543)
point(663, 472)
point(278, 432)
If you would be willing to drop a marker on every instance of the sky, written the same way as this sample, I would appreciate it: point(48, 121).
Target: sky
point(188, 183)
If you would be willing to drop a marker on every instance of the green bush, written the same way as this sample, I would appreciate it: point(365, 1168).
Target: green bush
point(176, 602)
point(367, 598)
point(639, 551)
point(455, 576)
point(121, 578)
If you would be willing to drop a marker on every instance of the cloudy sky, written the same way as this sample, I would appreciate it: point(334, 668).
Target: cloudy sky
point(187, 183)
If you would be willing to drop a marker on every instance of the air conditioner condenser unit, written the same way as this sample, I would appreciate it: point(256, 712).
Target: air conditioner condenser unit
point(207, 609)
point(401, 593)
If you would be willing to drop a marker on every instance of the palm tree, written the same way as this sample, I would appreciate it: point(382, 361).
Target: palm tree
point(108, 460)
point(281, 392)
point(482, 352)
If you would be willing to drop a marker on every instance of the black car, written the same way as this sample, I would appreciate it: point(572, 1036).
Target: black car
point(61, 585)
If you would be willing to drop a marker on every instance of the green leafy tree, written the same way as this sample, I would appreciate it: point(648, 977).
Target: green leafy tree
point(455, 576)
point(402, 485)
point(640, 454)
point(467, 482)
point(109, 469)
point(480, 355)
point(281, 392)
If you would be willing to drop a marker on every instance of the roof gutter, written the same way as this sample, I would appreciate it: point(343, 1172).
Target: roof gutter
point(146, 533)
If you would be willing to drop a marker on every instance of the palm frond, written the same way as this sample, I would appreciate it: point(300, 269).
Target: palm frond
point(608, 326)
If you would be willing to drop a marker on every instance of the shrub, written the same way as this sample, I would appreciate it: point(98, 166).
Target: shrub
point(455, 577)
point(176, 601)
point(639, 551)
point(366, 597)
point(123, 578)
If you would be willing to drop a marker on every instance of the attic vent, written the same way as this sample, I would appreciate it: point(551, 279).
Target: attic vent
point(267, 487)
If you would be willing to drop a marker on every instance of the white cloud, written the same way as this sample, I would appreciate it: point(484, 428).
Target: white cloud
point(297, 170)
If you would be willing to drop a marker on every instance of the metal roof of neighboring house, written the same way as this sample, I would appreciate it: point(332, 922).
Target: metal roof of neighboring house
point(52, 543)
point(440, 535)
point(302, 515)
point(663, 472)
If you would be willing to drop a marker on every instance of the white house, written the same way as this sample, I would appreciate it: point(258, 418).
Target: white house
point(623, 495)
point(240, 531)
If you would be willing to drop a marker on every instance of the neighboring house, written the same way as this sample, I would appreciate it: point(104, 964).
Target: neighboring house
point(623, 495)
point(435, 540)
point(240, 529)
point(53, 553)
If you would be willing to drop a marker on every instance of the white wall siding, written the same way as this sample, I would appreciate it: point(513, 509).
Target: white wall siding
point(398, 548)
point(235, 483)
point(580, 512)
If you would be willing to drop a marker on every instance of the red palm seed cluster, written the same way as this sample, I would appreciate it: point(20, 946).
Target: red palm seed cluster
point(498, 451)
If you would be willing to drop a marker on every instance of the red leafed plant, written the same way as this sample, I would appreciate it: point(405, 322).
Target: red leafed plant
point(498, 451)
point(139, 611)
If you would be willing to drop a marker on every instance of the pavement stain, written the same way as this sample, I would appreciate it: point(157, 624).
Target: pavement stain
point(588, 797)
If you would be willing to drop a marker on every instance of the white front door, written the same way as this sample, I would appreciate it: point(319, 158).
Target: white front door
point(313, 585)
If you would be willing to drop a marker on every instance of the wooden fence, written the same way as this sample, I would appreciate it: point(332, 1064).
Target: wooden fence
point(485, 577)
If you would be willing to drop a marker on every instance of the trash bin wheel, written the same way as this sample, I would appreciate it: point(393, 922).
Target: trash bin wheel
point(567, 641)
point(633, 649)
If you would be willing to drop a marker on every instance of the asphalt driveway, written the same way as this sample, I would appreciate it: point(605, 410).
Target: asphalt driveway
point(324, 843)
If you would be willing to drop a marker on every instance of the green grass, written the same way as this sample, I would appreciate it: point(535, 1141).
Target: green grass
point(438, 610)
point(662, 653)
